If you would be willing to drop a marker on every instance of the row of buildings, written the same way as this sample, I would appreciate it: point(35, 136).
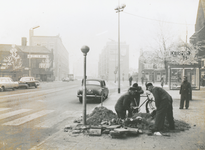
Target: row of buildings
point(45, 58)
point(183, 59)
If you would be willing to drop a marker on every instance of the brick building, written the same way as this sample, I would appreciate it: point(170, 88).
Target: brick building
point(17, 61)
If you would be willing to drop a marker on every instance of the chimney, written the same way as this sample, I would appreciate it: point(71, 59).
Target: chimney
point(24, 41)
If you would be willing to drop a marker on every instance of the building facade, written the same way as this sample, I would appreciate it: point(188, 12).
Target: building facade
point(149, 70)
point(60, 54)
point(18, 61)
point(108, 61)
point(198, 38)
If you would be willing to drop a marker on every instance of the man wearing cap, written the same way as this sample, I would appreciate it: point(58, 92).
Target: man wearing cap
point(163, 102)
point(137, 94)
point(123, 103)
point(185, 91)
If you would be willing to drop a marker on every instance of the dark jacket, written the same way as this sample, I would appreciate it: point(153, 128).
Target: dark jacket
point(185, 90)
point(124, 102)
point(137, 94)
point(161, 97)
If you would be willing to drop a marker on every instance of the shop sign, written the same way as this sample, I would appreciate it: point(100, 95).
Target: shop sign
point(37, 56)
point(46, 63)
point(3, 67)
point(175, 53)
point(13, 60)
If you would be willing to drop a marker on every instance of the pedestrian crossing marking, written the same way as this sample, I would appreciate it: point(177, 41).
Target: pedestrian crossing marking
point(49, 123)
point(25, 119)
point(13, 113)
point(3, 109)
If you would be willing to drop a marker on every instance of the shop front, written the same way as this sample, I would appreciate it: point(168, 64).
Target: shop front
point(176, 73)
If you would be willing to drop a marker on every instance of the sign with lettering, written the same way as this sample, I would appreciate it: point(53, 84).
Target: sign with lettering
point(45, 63)
point(37, 56)
point(174, 53)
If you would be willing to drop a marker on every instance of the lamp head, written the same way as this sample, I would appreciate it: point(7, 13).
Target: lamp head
point(35, 27)
point(85, 49)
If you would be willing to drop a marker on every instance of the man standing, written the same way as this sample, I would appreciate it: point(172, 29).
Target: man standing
point(185, 92)
point(130, 80)
point(123, 103)
point(163, 102)
point(162, 81)
point(142, 80)
point(137, 94)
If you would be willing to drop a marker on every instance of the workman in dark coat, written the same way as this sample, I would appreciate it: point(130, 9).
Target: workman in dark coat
point(185, 92)
point(163, 102)
point(124, 103)
point(137, 94)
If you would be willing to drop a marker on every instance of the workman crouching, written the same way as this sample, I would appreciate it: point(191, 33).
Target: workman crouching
point(124, 103)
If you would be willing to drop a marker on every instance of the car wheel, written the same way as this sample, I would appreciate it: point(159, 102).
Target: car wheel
point(3, 88)
point(80, 99)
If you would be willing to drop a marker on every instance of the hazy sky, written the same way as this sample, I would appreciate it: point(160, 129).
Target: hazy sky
point(95, 22)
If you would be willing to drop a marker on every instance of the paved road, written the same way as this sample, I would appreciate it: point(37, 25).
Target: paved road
point(29, 116)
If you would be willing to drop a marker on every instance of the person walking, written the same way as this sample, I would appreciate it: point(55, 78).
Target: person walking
point(142, 80)
point(124, 104)
point(162, 82)
point(163, 102)
point(130, 80)
point(137, 94)
point(185, 91)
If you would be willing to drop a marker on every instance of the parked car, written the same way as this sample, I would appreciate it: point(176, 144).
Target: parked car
point(28, 82)
point(66, 79)
point(95, 89)
point(7, 83)
point(37, 82)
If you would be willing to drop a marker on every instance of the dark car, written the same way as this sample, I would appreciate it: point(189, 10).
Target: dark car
point(28, 82)
point(95, 89)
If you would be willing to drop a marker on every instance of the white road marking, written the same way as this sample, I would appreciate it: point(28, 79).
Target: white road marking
point(13, 113)
point(3, 109)
point(28, 118)
point(49, 123)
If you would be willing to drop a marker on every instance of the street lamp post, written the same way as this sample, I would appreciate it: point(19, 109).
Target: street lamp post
point(30, 43)
point(85, 50)
point(118, 10)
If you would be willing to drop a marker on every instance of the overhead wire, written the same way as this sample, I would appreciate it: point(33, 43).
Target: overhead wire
point(156, 19)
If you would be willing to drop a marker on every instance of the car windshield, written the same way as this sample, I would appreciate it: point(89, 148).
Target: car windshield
point(26, 79)
point(93, 83)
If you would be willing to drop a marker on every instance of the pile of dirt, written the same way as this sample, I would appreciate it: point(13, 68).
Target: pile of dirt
point(145, 121)
point(99, 115)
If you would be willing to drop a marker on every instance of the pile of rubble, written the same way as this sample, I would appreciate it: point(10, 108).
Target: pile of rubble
point(105, 121)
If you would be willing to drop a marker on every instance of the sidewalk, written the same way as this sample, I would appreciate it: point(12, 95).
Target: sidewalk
point(188, 140)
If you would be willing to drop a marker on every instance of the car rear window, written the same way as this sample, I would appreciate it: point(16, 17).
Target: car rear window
point(93, 83)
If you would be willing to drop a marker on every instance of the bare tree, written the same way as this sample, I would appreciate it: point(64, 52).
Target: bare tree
point(164, 39)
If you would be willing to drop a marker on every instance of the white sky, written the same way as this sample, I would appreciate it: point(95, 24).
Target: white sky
point(94, 22)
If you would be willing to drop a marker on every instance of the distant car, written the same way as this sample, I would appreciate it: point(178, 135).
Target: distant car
point(37, 83)
point(28, 82)
point(95, 89)
point(66, 79)
point(7, 83)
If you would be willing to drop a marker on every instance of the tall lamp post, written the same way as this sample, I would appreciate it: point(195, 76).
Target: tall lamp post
point(118, 10)
point(85, 50)
point(30, 43)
